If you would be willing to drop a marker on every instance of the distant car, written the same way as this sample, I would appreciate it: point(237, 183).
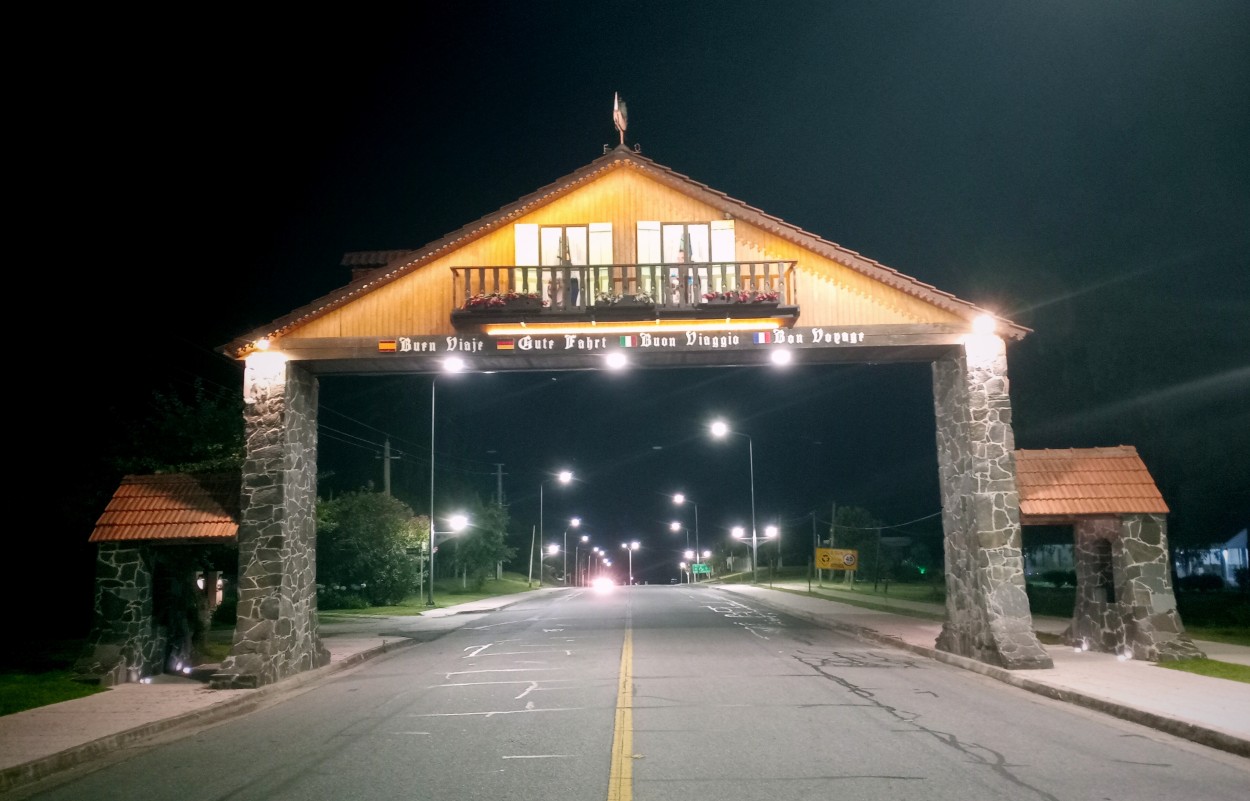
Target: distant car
point(672, 581)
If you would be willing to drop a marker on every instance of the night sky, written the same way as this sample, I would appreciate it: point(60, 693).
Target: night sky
point(1081, 168)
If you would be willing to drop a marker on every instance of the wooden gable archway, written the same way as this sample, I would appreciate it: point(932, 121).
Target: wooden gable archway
point(625, 258)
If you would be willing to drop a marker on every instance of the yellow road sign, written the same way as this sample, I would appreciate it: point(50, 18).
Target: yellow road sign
point(836, 558)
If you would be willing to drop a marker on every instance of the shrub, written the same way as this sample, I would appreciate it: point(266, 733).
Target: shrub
point(1200, 582)
point(1060, 578)
point(364, 541)
point(226, 613)
point(340, 598)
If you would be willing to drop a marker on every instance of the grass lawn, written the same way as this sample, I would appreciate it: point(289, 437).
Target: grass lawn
point(447, 592)
point(21, 691)
point(1210, 667)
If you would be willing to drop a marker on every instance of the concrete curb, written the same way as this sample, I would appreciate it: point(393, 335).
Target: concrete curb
point(1187, 731)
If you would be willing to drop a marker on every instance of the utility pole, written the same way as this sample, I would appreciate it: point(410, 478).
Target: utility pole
point(530, 580)
point(499, 483)
point(816, 544)
point(386, 465)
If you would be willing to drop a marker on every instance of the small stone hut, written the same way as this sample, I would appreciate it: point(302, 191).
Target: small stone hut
point(1124, 599)
point(150, 543)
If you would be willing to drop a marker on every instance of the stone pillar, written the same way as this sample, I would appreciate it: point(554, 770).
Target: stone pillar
point(276, 634)
point(124, 644)
point(1096, 620)
point(987, 610)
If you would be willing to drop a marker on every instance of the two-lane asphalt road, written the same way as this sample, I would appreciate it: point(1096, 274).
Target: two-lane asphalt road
point(658, 693)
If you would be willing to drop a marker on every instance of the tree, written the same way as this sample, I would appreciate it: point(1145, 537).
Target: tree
point(482, 545)
point(855, 528)
point(364, 541)
point(199, 433)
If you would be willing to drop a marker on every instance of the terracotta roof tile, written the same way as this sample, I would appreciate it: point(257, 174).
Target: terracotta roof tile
point(1076, 482)
point(171, 507)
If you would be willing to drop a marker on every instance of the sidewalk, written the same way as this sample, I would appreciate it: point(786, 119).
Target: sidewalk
point(41, 742)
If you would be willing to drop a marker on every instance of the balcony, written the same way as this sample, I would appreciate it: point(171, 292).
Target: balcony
point(623, 292)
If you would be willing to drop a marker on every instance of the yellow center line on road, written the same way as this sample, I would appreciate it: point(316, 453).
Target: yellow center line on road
point(621, 778)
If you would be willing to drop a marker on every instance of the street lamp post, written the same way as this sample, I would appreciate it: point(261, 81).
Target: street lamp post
point(596, 554)
point(720, 429)
point(578, 576)
point(452, 364)
point(679, 499)
point(630, 547)
point(564, 477)
point(458, 523)
point(772, 532)
point(575, 522)
point(739, 533)
point(551, 551)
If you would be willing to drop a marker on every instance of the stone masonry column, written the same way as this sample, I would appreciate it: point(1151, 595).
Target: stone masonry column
point(276, 634)
point(987, 611)
point(1124, 599)
point(1152, 626)
point(124, 644)
point(1095, 614)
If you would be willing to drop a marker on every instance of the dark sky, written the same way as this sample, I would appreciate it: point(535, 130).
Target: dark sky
point(1081, 168)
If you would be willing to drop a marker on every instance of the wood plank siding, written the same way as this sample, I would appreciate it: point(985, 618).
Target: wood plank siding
point(415, 294)
point(421, 301)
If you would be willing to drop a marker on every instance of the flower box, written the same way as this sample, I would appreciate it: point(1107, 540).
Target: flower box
point(496, 302)
point(624, 301)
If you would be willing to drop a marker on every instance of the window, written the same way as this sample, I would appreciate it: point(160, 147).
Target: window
point(697, 243)
point(558, 256)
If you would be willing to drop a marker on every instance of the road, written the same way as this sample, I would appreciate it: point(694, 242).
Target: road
point(657, 693)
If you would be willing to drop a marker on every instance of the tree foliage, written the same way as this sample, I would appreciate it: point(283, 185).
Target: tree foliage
point(200, 432)
point(363, 544)
point(856, 528)
point(482, 545)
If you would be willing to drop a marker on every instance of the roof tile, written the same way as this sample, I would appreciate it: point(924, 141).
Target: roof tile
point(1077, 482)
point(171, 507)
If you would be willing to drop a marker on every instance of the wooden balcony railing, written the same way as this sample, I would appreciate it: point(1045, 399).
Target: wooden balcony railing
point(584, 288)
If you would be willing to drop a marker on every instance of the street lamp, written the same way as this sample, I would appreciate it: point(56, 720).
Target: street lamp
point(676, 526)
point(458, 523)
point(739, 533)
point(630, 547)
point(575, 522)
point(452, 364)
point(679, 499)
point(719, 430)
point(578, 577)
point(772, 532)
point(552, 550)
point(602, 556)
point(564, 477)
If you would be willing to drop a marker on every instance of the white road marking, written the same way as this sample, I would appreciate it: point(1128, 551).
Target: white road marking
point(492, 714)
point(479, 649)
point(500, 670)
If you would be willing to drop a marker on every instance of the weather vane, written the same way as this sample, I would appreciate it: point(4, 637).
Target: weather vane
point(619, 114)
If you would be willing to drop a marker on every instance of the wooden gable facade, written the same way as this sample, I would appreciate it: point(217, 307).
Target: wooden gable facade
point(616, 205)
